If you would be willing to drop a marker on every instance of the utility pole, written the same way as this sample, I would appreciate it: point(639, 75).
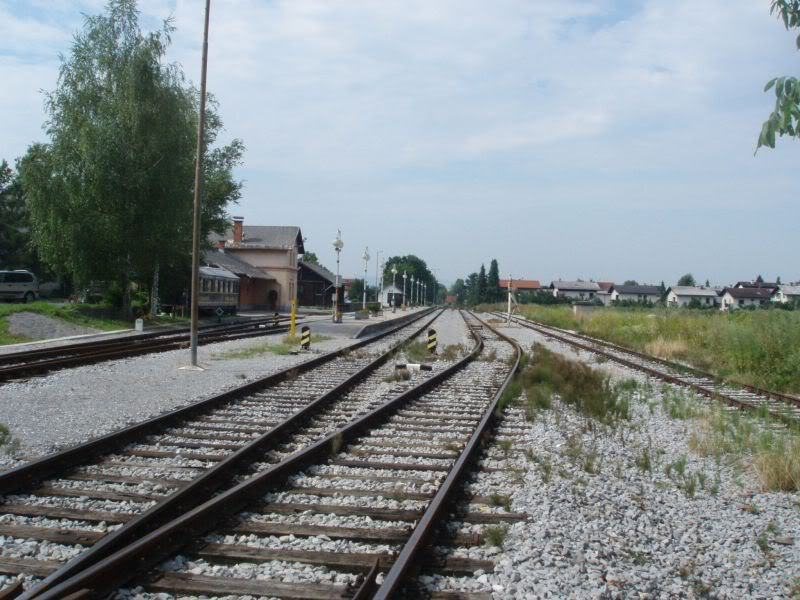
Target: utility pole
point(508, 318)
point(198, 173)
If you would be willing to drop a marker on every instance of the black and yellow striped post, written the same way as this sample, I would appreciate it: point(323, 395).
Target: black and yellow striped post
point(432, 341)
point(276, 319)
point(305, 337)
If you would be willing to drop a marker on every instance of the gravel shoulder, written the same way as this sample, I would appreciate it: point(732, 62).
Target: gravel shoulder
point(41, 327)
point(606, 525)
point(67, 407)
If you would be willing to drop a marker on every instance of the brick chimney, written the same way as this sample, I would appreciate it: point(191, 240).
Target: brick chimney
point(238, 224)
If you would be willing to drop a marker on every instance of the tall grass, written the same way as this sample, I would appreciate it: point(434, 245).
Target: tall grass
point(759, 347)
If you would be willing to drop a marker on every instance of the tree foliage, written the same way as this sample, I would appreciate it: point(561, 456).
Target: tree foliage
point(493, 291)
point(482, 285)
point(687, 280)
point(111, 195)
point(15, 250)
point(459, 290)
point(310, 258)
point(785, 117)
point(410, 265)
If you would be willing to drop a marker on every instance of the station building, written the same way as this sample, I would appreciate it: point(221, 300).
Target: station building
point(266, 259)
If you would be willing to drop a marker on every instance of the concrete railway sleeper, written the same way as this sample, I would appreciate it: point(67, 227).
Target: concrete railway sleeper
point(780, 406)
point(148, 473)
point(332, 517)
point(22, 364)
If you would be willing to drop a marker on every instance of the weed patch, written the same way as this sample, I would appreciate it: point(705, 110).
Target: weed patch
point(496, 535)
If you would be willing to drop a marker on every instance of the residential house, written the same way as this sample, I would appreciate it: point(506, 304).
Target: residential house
point(273, 250)
point(685, 295)
point(575, 290)
point(636, 293)
point(605, 292)
point(787, 294)
point(521, 285)
point(742, 297)
point(315, 285)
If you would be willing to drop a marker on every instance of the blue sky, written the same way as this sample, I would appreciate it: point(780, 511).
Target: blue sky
point(569, 138)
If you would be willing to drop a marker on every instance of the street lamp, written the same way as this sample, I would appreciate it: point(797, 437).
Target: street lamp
point(405, 275)
point(338, 244)
point(377, 265)
point(380, 293)
point(419, 291)
point(413, 287)
point(424, 293)
point(394, 296)
point(365, 257)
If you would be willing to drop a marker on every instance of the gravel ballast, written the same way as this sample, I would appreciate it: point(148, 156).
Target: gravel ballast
point(611, 528)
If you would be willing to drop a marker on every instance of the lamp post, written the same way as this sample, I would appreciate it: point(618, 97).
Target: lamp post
point(338, 244)
point(365, 256)
point(413, 287)
point(424, 293)
point(380, 293)
point(394, 296)
point(405, 275)
point(377, 265)
point(419, 291)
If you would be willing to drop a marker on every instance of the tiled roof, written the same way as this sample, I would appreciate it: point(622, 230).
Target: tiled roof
point(751, 293)
point(319, 270)
point(216, 258)
point(264, 236)
point(638, 289)
point(521, 284)
point(578, 286)
point(700, 292)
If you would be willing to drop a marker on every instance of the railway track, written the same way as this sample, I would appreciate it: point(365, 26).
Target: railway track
point(347, 511)
point(109, 491)
point(745, 397)
point(15, 365)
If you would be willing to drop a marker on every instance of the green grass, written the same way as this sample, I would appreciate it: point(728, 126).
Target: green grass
point(760, 347)
point(772, 454)
point(288, 345)
point(89, 315)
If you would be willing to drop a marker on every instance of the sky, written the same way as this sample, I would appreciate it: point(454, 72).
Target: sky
point(593, 139)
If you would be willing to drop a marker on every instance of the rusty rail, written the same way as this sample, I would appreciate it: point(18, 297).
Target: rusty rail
point(562, 336)
point(433, 515)
point(136, 558)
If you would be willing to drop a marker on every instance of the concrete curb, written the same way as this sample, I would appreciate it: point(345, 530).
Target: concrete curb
point(373, 328)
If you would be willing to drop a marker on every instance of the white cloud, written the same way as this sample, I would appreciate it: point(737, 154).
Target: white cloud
point(547, 106)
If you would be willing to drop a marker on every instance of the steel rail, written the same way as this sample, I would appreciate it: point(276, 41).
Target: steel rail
point(201, 488)
point(116, 350)
point(47, 466)
point(23, 355)
point(142, 554)
point(704, 391)
point(434, 514)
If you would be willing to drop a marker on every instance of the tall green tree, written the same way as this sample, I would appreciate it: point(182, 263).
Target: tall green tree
point(471, 289)
point(310, 258)
point(493, 291)
point(110, 196)
point(482, 285)
point(785, 117)
point(410, 265)
point(687, 280)
point(459, 290)
point(15, 251)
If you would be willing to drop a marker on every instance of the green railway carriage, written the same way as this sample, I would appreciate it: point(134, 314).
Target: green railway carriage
point(219, 288)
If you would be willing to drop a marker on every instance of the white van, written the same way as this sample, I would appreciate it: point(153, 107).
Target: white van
point(18, 285)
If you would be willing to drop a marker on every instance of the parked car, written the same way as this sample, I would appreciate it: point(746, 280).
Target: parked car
point(19, 285)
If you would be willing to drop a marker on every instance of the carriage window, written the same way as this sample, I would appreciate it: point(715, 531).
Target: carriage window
point(205, 285)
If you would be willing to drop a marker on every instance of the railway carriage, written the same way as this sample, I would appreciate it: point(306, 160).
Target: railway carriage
point(219, 288)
